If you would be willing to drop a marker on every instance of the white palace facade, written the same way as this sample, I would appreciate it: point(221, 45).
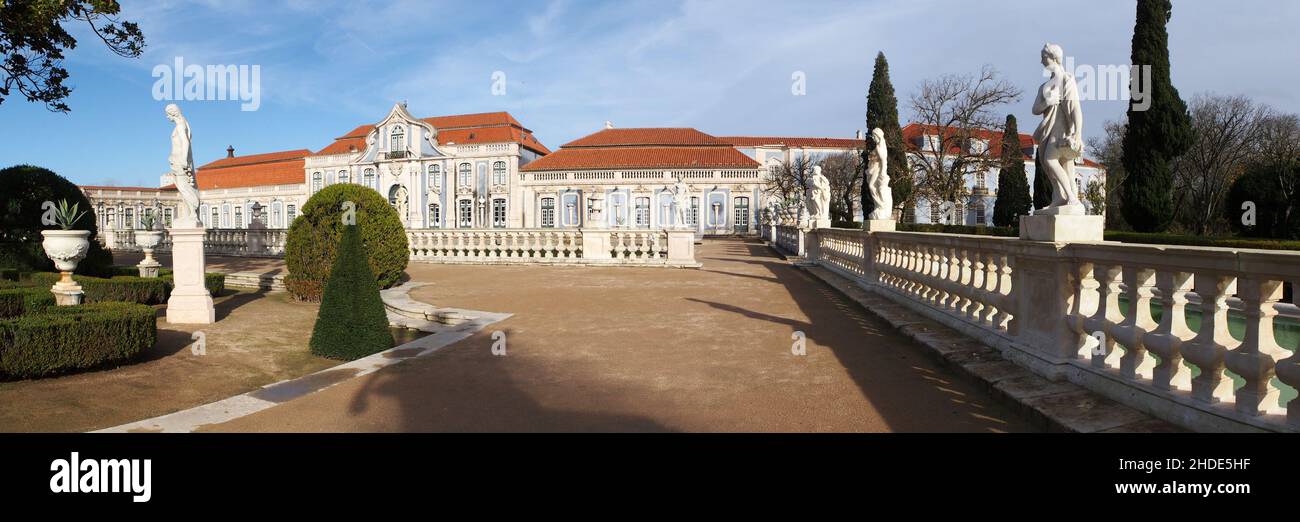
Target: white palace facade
point(488, 172)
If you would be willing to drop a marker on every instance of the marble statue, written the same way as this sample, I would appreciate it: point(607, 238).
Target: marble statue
point(1060, 134)
point(181, 161)
point(681, 203)
point(817, 199)
point(878, 177)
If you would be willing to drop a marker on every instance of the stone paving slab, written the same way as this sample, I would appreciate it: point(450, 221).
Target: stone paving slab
point(1061, 406)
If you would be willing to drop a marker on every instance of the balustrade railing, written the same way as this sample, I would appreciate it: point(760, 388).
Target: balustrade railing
point(553, 246)
point(1198, 336)
point(267, 242)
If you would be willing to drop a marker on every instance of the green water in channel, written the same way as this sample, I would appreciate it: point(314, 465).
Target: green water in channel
point(1286, 331)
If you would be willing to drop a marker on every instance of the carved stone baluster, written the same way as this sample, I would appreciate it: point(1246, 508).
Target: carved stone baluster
point(1001, 294)
point(1207, 349)
point(1288, 371)
point(1258, 352)
point(1140, 283)
point(1107, 316)
point(966, 281)
point(1167, 340)
point(990, 308)
point(979, 284)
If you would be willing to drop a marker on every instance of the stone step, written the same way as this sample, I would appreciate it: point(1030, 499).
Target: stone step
point(256, 280)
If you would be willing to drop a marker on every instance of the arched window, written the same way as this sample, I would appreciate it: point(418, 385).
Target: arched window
point(317, 181)
point(463, 174)
point(499, 173)
point(548, 212)
point(369, 175)
point(435, 216)
point(435, 176)
point(397, 140)
point(343, 177)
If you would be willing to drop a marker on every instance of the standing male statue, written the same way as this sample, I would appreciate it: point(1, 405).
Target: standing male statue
point(681, 203)
point(182, 169)
point(878, 177)
point(1060, 134)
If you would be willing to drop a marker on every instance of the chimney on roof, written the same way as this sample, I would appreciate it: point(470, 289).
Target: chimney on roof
point(609, 124)
point(858, 134)
point(230, 151)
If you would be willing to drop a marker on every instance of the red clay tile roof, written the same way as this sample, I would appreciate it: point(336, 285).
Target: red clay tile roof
point(828, 143)
point(645, 136)
point(584, 158)
point(913, 132)
point(274, 168)
point(646, 148)
point(488, 127)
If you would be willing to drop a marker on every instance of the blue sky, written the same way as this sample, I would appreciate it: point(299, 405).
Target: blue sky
point(721, 66)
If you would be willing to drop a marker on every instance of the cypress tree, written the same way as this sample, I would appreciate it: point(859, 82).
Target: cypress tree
point(1013, 198)
point(352, 322)
point(1042, 187)
point(1158, 134)
point(882, 113)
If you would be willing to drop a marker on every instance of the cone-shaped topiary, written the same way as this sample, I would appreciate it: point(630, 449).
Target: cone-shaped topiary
point(352, 322)
point(315, 235)
point(1013, 188)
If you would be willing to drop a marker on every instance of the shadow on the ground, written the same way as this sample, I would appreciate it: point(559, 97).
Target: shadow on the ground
point(893, 373)
point(450, 392)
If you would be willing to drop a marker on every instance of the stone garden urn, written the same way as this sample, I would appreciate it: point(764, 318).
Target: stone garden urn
point(66, 248)
point(148, 240)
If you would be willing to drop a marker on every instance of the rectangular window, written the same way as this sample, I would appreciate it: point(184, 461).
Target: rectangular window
point(741, 210)
point(129, 218)
point(499, 213)
point(466, 213)
point(693, 217)
point(215, 222)
point(643, 212)
point(935, 212)
point(291, 213)
point(167, 217)
point(435, 215)
point(979, 214)
point(239, 217)
point(462, 174)
point(548, 212)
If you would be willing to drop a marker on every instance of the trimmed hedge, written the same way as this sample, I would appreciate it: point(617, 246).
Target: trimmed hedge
point(67, 338)
point(315, 235)
point(352, 322)
point(24, 300)
point(131, 289)
point(23, 189)
point(1223, 242)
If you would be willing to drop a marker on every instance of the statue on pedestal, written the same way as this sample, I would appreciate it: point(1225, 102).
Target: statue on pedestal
point(878, 177)
point(181, 161)
point(681, 203)
point(1060, 134)
point(817, 199)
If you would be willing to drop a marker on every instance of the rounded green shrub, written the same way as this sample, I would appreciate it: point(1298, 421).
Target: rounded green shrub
point(352, 322)
point(1262, 187)
point(315, 235)
point(23, 189)
point(61, 339)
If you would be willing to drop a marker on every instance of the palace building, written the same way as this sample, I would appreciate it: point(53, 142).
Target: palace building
point(488, 171)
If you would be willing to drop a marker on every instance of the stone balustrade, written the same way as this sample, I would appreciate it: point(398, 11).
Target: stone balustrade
point(640, 247)
point(267, 242)
point(1145, 325)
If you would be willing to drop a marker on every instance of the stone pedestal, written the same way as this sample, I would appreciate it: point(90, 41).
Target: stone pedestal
point(880, 225)
point(67, 292)
point(820, 223)
point(1059, 228)
point(190, 302)
point(149, 266)
point(681, 247)
point(595, 244)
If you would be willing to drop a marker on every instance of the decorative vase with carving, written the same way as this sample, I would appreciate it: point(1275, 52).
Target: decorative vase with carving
point(66, 247)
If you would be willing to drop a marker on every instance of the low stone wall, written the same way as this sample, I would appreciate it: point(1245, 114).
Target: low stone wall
point(1055, 308)
point(267, 242)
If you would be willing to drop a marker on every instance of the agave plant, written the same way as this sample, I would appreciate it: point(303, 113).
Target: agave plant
point(148, 221)
point(67, 217)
